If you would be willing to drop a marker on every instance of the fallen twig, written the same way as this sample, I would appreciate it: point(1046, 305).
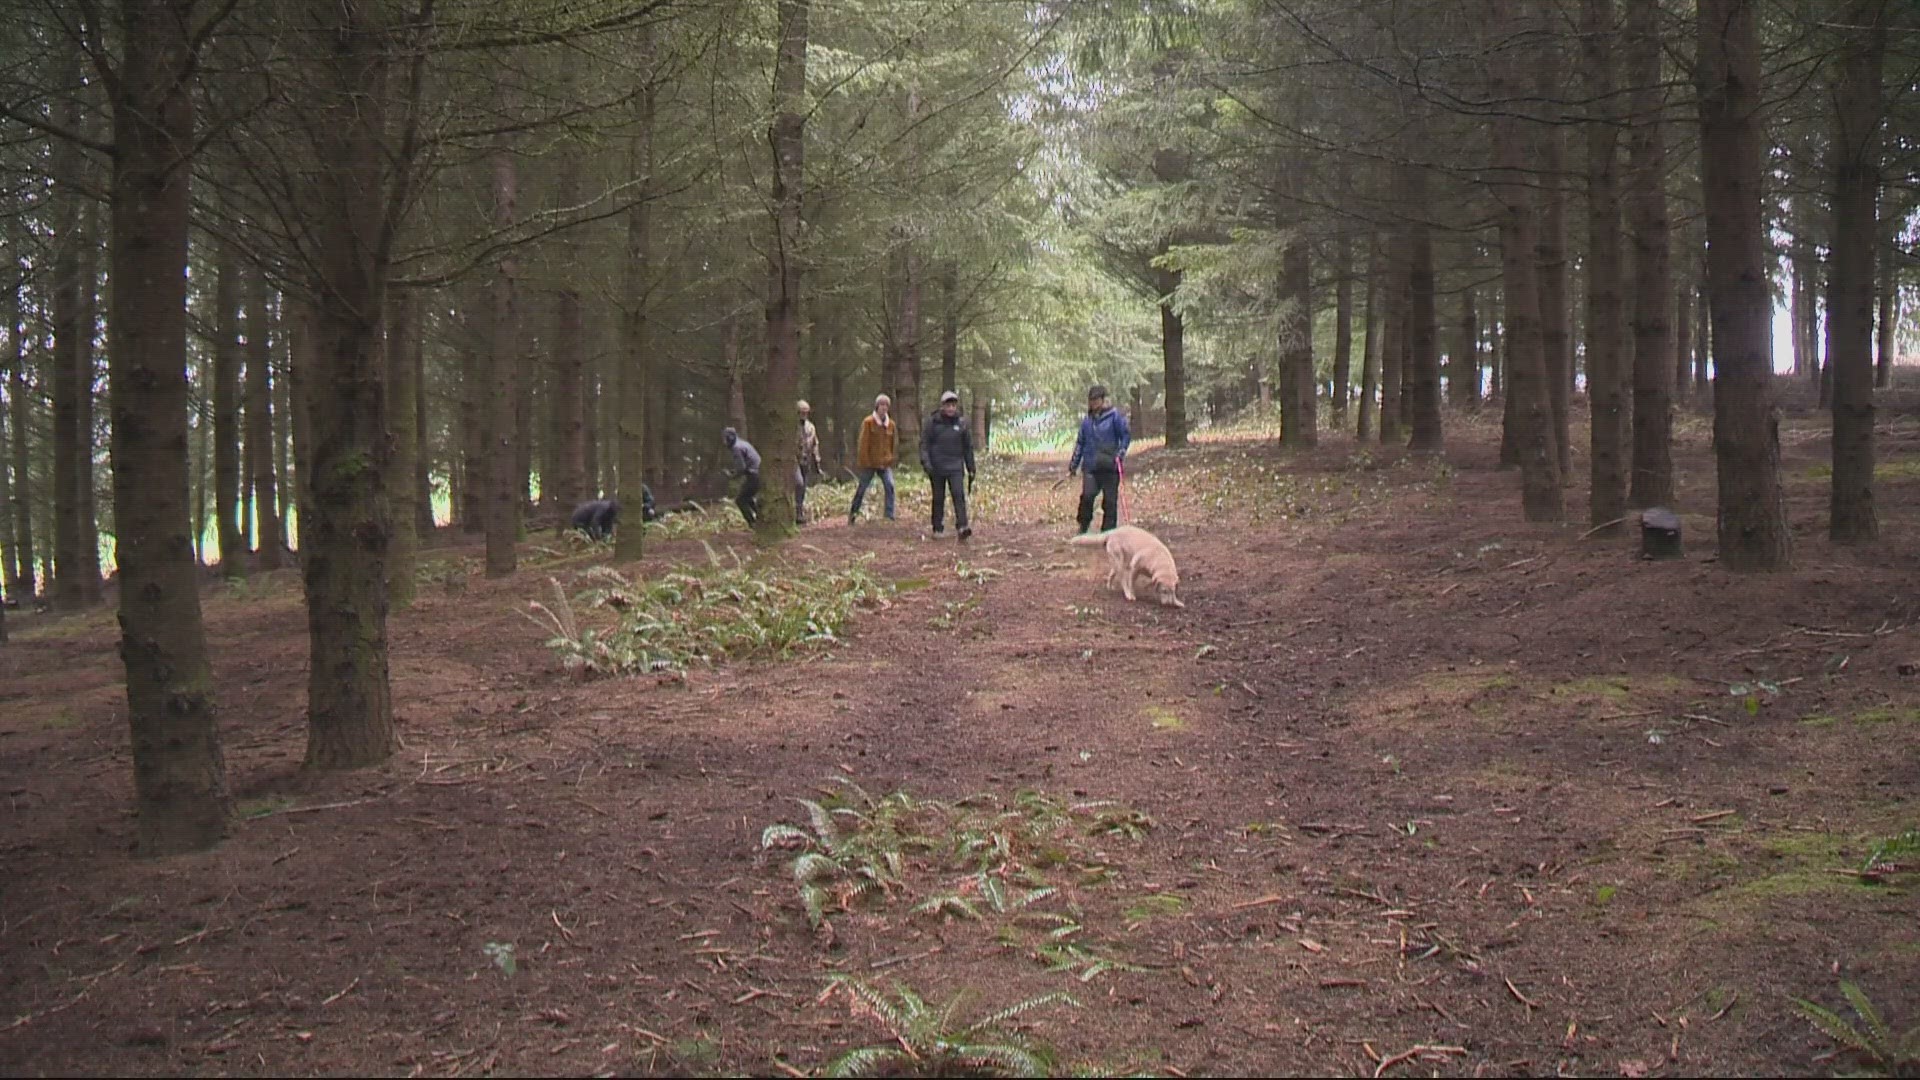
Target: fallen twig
point(1408, 1055)
point(1522, 998)
point(343, 992)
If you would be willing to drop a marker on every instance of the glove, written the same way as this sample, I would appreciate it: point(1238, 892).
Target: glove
point(969, 483)
point(1071, 471)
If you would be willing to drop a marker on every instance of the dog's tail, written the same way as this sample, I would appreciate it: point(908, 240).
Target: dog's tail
point(1088, 539)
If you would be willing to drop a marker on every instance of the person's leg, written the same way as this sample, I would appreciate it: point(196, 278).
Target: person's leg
point(940, 484)
point(860, 494)
point(1088, 488)
point(960, 506)
point(1109, 500)
point(749, 488)
point(799, 496)
point(886, 481)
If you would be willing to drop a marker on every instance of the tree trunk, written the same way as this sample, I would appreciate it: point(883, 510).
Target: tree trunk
point(260, 442)
point(19, 415)
point(349, 693)
point(1423, 343)
point(471, 506)
point(633, 363)
point(1463, 365)
point(1556, 339)
point(302, 364)
point(1646, 210)
point(566, 484)
point(1393, 340)
point(1854, 172)
point(1889, 291)
point(1703, 339)
point(226, 413)
point(1800, 308)
point(1370, 352)
point(1606, 382)
point(403, 340)
point(1173, 360)
point(950, 326)
point(1514, 156)
point(179, 772)
point(71, 340)
point(1299, 398)
point(505, 493)
point(87, 511)
point(1342, 323)
point(906, 356)
point(1682, 339)
point(18, 535)
point(1752, 522)
point(423, 523)
point(786, 141)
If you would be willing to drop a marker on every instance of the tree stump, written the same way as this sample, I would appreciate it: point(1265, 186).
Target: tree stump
point(1660, 534)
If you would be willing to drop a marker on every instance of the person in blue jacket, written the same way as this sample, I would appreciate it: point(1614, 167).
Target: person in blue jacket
point(1100, 449)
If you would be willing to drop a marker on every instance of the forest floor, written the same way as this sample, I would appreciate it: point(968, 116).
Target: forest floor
point(1408, 788)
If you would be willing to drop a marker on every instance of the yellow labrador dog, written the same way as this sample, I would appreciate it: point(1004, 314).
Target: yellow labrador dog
point(1135, 552)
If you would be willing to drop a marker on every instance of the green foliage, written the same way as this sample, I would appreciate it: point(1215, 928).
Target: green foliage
point(928, 1040)
point(1884, 1052)
point(502, 955)
point(988, 855)
point(690, 616)
point(1894, 854)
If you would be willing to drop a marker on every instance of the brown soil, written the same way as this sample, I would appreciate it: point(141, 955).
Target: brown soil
point(1420, 776)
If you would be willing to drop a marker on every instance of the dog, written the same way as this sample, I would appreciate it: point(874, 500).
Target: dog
point(597, 519)
point(1134, 552)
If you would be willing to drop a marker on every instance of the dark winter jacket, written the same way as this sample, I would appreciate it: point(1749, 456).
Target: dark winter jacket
point(946, 445)
point(1103, 441)
point(745, 458)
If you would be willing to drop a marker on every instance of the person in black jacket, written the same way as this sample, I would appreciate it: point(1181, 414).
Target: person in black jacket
point(946, 451)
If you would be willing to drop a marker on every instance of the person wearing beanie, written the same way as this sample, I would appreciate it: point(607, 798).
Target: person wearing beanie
point(946, 453)
point(1100, 449)
point(879, 449)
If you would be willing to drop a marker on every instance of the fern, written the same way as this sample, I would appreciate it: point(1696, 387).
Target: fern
point(1888, 1053)
point(929, 1041)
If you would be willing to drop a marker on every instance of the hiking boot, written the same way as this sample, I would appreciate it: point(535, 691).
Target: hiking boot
point(965, 531)
point(938, 533)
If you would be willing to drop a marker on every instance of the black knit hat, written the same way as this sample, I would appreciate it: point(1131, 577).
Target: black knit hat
point(1095, 392)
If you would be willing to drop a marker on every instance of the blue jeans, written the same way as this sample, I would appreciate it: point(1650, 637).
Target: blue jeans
point(860, 493)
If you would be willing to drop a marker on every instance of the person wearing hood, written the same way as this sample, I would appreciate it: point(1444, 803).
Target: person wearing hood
point(1101, 448)
point(746, 465)
point(946, 453)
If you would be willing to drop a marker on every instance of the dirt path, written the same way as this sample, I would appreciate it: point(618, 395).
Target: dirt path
point(1416, 776)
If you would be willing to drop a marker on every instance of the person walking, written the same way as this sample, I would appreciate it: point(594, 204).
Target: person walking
point(746, 465)
point(808, 469)
point(1100, 449)
point(879, 449)
point(946, 453)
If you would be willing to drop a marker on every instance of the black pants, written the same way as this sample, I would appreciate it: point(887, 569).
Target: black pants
point(749, 498)
point(1107, 485)
point(942, 483)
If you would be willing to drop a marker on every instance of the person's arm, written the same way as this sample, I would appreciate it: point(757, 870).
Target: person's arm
point(926, 447)
point(966, 447)
point(1124, 431)
point(1079, 448)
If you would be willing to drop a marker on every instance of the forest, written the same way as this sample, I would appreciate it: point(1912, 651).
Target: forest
point(1526, 388)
